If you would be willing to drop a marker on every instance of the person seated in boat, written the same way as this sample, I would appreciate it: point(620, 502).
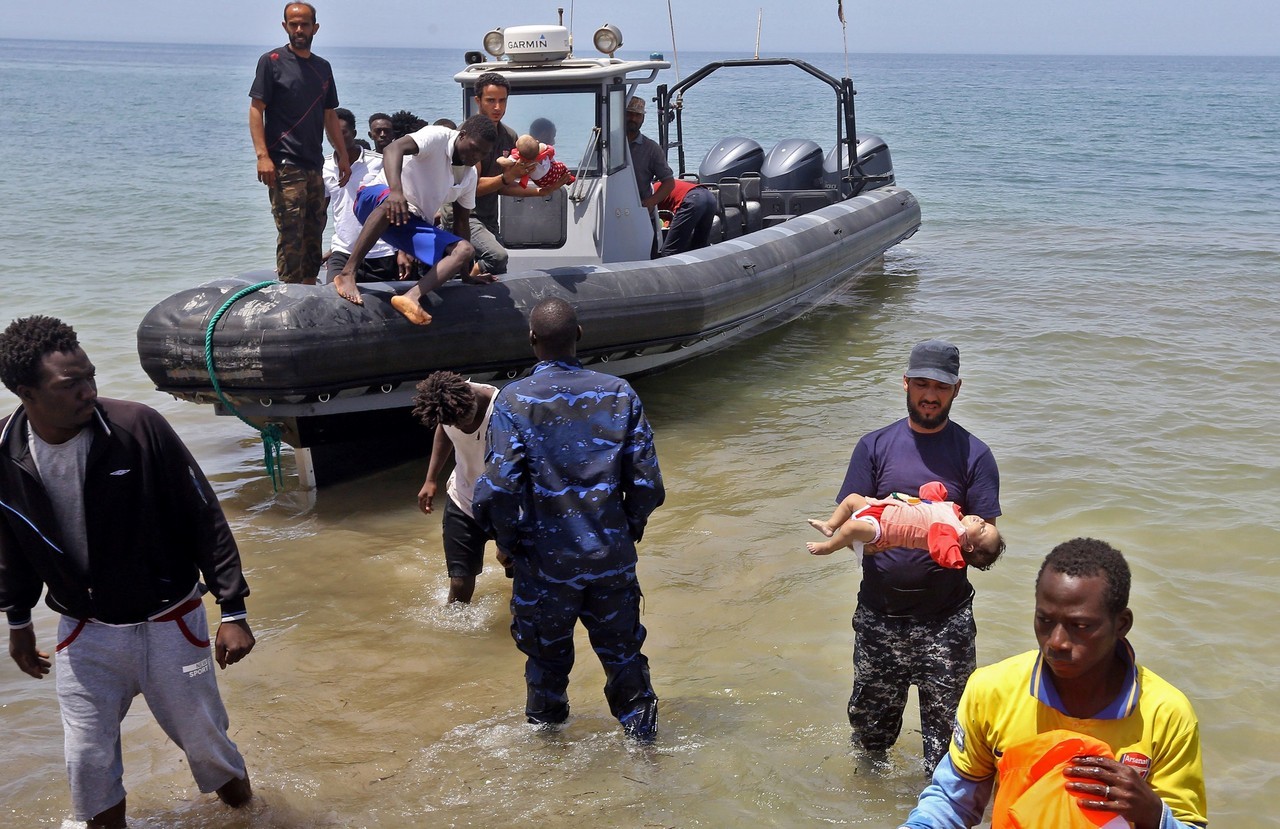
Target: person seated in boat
point(420, 172)
point(381, 131)
point(546, 174)
point(649, 163)
point(404, 122)
point(544, 130)
point(692, 208)
point(929, 522)
point(1075, 733)
point(457, 411)
point(381, 262)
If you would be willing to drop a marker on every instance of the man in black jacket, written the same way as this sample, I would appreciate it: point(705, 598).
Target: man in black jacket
point(101, 503)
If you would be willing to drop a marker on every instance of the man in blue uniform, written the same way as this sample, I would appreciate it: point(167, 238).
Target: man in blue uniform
point(914, 621)
point(570, 480)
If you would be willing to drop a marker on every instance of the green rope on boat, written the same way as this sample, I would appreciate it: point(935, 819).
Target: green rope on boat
point(271, 432)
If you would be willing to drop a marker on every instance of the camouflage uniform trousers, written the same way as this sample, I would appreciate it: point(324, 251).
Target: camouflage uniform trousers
point(892, 653)
point(543, 616)
point(298, 204)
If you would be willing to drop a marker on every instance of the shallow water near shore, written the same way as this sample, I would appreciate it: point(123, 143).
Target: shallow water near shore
point(1100, 239)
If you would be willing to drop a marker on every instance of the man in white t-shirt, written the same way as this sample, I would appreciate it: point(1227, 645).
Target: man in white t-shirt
point(458, 410)
point(400, 205)
point(380, 263)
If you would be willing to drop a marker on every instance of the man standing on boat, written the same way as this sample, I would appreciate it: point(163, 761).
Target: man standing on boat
point(492, 91)
point(102, 504)
point(649, 163)
point(293, 105)
point(421, 172)
point(570, 480)
point(914, 620)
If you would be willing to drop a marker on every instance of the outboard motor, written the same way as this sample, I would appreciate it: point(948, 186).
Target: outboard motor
point(731, 156)
point(794, 164)
point(874, 169)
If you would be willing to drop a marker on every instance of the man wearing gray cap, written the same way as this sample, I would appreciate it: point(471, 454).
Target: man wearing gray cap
point(914, 621)
point(649, 163)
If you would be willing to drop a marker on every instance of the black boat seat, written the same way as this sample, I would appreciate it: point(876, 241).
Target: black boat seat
point(800, 202)
point(532, 222)
point(731, 207)
point(753, 211)
point(772, 203)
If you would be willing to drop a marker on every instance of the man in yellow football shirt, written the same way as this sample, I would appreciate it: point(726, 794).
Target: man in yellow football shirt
point(1084, 685)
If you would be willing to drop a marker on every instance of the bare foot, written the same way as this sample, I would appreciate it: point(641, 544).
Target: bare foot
point(819, 549)
point(479, 278)
point(345, 283)
point(411, 309)
point(822, 527)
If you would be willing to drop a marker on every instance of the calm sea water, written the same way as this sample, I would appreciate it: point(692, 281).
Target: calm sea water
point(1101, 239)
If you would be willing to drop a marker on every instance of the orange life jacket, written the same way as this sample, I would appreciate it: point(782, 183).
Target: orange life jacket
point(1032, 792)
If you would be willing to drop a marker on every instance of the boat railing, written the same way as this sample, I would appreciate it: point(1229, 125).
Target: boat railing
point(578, 190)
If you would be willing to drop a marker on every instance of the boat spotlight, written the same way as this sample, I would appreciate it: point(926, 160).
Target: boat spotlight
point(495, 43)
point(607, 39)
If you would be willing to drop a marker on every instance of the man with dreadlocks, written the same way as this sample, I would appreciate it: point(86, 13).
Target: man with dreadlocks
point(458, 410)
point(101, 504)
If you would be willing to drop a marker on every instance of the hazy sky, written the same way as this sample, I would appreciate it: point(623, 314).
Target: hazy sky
point(1129, 27)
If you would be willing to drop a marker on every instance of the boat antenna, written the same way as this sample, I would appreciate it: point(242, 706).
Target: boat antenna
point(759, 20)
point(560, 14)
point(675, 53)
point(844, 34)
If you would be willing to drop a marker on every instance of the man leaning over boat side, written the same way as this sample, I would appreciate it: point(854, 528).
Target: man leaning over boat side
point(420, 172)
point(649, 163)
point(693, 210)
point(383, 260)
point(293, 105)
point(102, 504)
point(914, 620)
point(571, 478)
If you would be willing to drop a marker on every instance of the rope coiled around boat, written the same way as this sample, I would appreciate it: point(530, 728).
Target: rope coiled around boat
point(271, 432)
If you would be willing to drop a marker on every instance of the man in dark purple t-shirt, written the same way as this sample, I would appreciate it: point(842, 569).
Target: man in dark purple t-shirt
point(292, 108)
point(914, 622)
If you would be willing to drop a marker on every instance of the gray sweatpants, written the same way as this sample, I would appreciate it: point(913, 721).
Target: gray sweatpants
point(101, 668)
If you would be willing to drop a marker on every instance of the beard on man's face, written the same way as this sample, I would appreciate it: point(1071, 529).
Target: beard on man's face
point(931, 421)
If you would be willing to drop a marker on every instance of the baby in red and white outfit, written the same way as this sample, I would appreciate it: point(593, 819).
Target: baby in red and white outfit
point(547, 173)
point(929, 522)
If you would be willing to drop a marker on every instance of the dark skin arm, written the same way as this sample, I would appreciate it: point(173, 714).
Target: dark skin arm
point(441, 452)
point(233, 642)
point(1114, 787)
point(396, 205)
point(22, 647)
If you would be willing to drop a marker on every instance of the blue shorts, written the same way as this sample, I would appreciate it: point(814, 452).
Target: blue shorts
point(418, 236)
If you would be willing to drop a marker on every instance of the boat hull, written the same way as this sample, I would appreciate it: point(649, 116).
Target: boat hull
point(305, 358)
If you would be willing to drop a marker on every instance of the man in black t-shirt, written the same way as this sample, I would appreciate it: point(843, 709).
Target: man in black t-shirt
point(292, 108)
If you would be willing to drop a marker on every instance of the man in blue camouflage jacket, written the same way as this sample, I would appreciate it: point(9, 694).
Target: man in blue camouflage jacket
point(570, 480)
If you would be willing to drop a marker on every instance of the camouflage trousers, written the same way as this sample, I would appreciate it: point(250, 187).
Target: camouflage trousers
point(892, 653)
point(543, 616)
point(298, 204)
